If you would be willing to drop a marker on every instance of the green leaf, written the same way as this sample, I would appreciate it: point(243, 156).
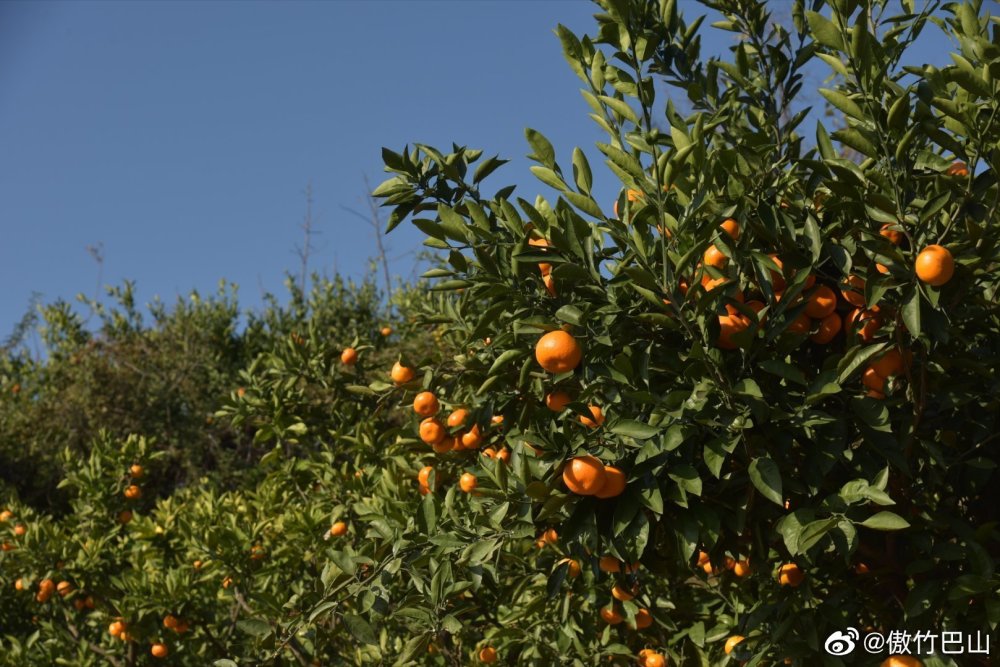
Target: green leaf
point(885, 521)
point(620, 107)
point(911, 312)
point(360, 629)
point(549, 177)
point(767, 479)
point(581, 171)
point(814, 531)
point(824, 31)
point(634, 429)
point(254, 626)
point(544, 153)
point(843, 102)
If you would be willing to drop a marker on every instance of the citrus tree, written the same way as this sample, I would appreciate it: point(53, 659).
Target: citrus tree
point(742, 409)
point(754, 396)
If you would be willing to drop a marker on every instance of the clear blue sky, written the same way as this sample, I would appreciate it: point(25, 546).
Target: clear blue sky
point(181, 135)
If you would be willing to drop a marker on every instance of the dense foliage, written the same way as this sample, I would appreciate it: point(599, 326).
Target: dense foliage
point(749, 404)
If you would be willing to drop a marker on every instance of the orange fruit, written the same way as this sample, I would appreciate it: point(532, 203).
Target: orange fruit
point(170, 621)
point(349, 356)
point(227, 582)
point(732, 642)
point(710, 283)
point(861, 568)
point(801, 324)
point(20, 530)
point(550, 536)
point(614, 483)
point(714, 257)
point(742, 568)
point(731, 227)
point(829, 327)
point(487, 655)
point(611, 616)
point(424, 476)
point(853, 291)
point(703, 558)
point(458, 418)
point(339, 529)
point(865, 323)
point(497, 420)
point(6, 516)
point(158, 650)
point(467, 482)
point(643, 619)
point(596, 413)
point(790, 574)
point(777, 280)
point(124, 516)
point(115, 628)
point(935, 265)
point(584, 475)
point(257, 552)
point(386, 331)
point(821, 303)
point(241, 392)
point(550, 284)
point(901, 661)
point(504, 455)
point(401, 374)
point(556, 401)
point(729, 562)
point(19, 585)
point(431, 431)
point(873, 380)
point(729, 325)
point(609, 564)
point(425, 404)
point(572, 567)
point(558, 352)
point(136, 471)
point(889, 364)
point(882, 268)
point(490, 452)
point(620, 593)
point(64, 588)
point(655, 660)
point(133, 492)
point(471, 438)
point(891, 232)
point(958, 168)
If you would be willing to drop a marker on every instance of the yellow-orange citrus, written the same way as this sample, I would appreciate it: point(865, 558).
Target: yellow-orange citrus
point(584, 475)
point(426, 404)
point(596, 417)
point(821, 302)
point(349, 356)
point(467, 482)
point(829, 327)
point(558, 352)
point(401, 374)
point(614, 483)
point(431, 431)
point(935, 265)
point(732, 642)
point(556, 401)
point(790, 574)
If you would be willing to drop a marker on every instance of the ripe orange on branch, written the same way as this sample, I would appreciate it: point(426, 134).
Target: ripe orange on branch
point(558, 352)
point(935, 265)
point(584, 475)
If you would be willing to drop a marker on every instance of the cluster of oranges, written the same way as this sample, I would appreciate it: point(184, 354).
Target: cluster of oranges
point(19, 530)
point(740, 568)
point(120, 630)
